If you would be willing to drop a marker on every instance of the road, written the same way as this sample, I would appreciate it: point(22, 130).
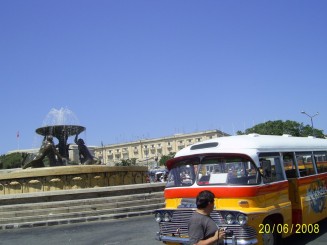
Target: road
point(138, 230)
point(132, 231)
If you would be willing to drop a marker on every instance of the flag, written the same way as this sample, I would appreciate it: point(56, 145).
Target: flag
point(17, 135)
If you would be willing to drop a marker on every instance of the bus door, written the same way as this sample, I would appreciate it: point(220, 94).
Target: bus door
point(292, 174)
point(277, 186)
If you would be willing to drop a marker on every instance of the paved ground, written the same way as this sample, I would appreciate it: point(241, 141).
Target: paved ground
point(310, 239)
point(133, 231)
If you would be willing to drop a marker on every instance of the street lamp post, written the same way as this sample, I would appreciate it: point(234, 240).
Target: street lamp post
point(303, 112)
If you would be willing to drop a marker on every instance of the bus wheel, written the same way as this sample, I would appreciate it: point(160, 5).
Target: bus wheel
point(270, 238)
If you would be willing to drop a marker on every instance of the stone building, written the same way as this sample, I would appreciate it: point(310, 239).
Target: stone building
point(148, 152)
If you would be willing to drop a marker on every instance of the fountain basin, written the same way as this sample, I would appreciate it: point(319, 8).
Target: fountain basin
point(69, 177)
point(57, 130)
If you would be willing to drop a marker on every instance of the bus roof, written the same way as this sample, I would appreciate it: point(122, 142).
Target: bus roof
point(255, 142)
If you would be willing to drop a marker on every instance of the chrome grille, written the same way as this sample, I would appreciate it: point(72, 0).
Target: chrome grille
point(178, 226)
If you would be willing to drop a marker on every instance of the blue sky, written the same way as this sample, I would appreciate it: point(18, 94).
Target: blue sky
point(144, 69)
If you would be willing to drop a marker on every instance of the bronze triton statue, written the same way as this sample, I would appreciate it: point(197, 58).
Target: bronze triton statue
point(48, 149)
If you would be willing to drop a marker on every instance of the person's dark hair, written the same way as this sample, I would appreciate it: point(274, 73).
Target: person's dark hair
point(204, 198)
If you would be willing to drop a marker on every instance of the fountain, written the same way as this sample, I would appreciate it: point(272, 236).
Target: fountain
point(35, 177)
point(61, 132)
point(58, 123)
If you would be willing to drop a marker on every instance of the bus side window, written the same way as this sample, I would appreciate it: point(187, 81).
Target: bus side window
point(321, 161)
point(305, 164)
point(271, 167)
point(289, 165)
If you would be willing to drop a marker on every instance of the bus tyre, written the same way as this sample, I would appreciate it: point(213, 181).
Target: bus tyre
point(270, 238)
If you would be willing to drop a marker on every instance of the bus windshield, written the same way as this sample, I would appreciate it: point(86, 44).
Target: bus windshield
point(214, 171)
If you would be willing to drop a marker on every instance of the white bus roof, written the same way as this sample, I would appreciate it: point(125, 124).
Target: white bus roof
point(252, 143)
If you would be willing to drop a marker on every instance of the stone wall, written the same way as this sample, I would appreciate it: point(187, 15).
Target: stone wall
point(69, 178)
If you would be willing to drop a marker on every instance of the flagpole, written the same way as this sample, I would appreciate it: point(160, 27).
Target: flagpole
point(17, 135)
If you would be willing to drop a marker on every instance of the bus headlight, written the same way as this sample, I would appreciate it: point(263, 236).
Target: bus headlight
point(230, 219)
point(242, 219)
point(163, 216)
point(158, 217)
point(167, 217)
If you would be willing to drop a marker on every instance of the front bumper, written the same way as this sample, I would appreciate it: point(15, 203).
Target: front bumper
point(172, 239)
point(185, 241)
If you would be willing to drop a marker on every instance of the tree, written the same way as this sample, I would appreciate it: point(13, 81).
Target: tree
point(279, 128)
point(165, 158)
point(127, 162)
point(13, 160)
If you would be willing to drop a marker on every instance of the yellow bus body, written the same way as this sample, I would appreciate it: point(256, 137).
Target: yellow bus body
point(289, 198)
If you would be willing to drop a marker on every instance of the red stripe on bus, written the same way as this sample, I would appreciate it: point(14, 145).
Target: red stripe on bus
point(309, 179)
point(226, 191)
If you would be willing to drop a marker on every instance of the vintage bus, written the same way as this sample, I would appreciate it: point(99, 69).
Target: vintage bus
point(266, 187)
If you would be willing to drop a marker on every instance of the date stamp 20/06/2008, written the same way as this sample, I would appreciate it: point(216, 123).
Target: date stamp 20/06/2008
point(285, 228)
